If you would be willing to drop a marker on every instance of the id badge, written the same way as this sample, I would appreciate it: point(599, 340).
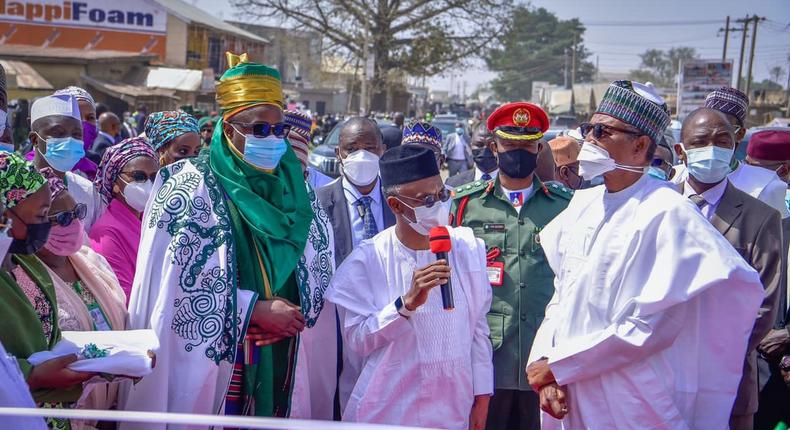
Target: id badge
point(496, 273)
point(100, 321)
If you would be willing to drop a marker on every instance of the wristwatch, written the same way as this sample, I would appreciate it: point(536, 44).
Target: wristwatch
point(401, 307)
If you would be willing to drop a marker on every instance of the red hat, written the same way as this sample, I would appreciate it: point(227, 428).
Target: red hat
point(770, 145)
point(518, 121)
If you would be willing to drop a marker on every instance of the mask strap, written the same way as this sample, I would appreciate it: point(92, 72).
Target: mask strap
point(634, 169)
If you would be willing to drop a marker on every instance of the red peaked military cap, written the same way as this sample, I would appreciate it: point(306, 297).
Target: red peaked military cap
point(518, 121)
point(770, 145)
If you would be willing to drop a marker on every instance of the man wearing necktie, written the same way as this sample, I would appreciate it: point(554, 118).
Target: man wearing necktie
point(751, 226)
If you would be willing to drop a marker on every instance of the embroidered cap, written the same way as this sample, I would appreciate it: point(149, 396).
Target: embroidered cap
point(638, 105)
point(730, 101)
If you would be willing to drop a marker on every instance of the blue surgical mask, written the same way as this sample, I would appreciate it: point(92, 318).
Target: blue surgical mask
point(657, 173)
point(709, 164)
point(264, 152)
point(63, 153)
point(460, 131)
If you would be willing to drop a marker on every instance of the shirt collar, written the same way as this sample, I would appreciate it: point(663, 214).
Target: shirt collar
point(353, 194)
point(479, 173)
point(711, 196)
point(107, 135)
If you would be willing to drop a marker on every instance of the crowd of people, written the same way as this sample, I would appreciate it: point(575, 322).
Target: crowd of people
point(600, 280)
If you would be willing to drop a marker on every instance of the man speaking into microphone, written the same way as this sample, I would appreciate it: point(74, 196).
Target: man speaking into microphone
point(423, 365)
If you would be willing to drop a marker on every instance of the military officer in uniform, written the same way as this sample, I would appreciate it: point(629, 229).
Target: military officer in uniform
point(508, 212)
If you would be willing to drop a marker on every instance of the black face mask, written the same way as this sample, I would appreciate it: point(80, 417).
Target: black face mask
point(37, 235)
point(518, 163)
point(484, 159)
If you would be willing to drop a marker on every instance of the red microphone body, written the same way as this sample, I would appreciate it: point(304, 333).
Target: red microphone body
point(441, 244)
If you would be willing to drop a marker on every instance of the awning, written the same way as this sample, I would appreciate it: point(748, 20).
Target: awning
point(128, 92)
point(20, 75)
point(188, 80)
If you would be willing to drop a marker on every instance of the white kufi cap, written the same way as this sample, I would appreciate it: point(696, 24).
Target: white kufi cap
point(65, 105)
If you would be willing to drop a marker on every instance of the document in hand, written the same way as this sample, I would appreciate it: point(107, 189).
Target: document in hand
point(128, 353)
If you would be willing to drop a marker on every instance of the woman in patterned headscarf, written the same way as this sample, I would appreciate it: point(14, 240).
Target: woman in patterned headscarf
point(173, 135)
point(124, 181)
point(28, 302)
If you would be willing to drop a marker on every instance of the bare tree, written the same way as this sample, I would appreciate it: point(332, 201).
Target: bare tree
point(777, 73)
point(418, 37)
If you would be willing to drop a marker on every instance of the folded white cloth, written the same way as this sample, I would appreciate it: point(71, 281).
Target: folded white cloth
point(127, 351)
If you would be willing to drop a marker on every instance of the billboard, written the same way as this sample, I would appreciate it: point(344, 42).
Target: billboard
point(132, 26)
point(697, 79)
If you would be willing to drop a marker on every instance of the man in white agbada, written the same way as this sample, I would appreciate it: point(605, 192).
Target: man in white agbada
point(422, 365)
point(649, 323)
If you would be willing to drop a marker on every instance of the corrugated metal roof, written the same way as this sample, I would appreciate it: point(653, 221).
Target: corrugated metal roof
point(75, 54)
point(21, 75)
point(193, 14)
point(125, 91)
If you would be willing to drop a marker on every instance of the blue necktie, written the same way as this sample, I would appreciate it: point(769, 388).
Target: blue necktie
point(486, 177)
point(369, 228)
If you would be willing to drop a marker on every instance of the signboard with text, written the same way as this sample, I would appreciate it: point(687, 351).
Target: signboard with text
point(697, 79)
point(131, 26)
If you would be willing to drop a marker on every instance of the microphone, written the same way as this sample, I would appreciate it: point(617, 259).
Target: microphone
point(439, 239)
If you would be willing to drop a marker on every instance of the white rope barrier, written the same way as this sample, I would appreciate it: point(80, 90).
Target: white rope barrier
point(192, 419)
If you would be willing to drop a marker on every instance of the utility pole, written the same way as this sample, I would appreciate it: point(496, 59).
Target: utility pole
point(573, 59)
point(745, 23)
point(363, 96)
point(726, 36)
point(565, 70)
point(787, 111)
point(751, 54)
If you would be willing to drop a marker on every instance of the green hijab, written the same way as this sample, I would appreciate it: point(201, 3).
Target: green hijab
point(271, 217)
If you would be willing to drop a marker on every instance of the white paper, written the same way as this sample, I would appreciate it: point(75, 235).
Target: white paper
point(127, 351)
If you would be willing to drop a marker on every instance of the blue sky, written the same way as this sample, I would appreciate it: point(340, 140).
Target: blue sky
point(617, 46)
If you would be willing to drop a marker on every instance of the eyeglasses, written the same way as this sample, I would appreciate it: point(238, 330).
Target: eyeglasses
point(431, 200)
point(599, 130)
point(263, 129)
point(65, 218)
point(140, 176)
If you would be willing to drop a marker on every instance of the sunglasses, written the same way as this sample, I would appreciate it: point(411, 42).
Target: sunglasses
point(431, 200)
point(140, 176)
point(263, 129)
point(65, 218)
point(599, 130)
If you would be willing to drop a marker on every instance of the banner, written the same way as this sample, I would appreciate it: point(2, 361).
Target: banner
point(129, 16)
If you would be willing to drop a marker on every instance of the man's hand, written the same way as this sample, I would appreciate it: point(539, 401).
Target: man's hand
point(553, 400)
point(55, 373)
point(775, 344)
point(424, 280)
point(277, 317)
point(539, 374)
point(479, 414)
point(261, 338)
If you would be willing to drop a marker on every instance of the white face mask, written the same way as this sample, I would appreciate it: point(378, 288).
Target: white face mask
point(361, 167)
point(595, 161)
point(428, 218)
point(137, 193)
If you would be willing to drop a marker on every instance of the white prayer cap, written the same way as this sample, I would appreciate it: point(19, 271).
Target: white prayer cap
point(63, 104)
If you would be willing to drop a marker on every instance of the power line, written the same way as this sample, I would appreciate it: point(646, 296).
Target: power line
point(647, 23)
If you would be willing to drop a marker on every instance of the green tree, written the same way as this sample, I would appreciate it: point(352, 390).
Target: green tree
point(661, 67)
point(535, 47)
point(417, 37)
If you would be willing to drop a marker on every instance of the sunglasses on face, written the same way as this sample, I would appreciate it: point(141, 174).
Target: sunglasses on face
point(263, 129)
point(658, 162)
point(65, 218)
point(140, 176)
point(431, 200)
point(599, 130)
